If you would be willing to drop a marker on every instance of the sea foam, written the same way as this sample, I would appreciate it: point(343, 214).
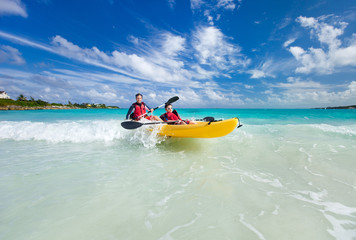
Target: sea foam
point(83, 131)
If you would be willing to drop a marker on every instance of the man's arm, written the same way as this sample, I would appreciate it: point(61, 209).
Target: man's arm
point(129, 112)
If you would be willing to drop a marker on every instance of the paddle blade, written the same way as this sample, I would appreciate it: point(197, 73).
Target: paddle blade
point(209, 119)
point(131, 124)
point(172, 100)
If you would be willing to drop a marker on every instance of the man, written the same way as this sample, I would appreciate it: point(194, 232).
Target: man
point(139, 110)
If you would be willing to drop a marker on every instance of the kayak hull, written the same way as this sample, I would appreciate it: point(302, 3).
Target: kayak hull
point(200, 129)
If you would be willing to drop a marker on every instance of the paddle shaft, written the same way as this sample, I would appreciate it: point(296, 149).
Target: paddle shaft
point(153, 110)
point(170, 121)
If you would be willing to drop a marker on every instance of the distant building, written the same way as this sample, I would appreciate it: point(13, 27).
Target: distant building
point(3, 95)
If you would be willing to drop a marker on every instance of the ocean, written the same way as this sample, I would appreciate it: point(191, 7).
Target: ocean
point(77, 174)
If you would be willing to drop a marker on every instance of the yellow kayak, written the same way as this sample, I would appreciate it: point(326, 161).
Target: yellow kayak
point(200, 129)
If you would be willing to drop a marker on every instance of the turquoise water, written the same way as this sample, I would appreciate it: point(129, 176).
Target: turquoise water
point(76, 174)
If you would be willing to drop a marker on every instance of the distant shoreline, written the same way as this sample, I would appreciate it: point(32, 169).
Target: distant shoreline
point(339, 107)
point(24, 104)
point(20, 108)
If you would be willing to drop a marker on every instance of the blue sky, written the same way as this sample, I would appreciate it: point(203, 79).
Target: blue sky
point(219, 53)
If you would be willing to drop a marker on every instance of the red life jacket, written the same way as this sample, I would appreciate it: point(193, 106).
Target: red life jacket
point(138, 110)
point(170, 116)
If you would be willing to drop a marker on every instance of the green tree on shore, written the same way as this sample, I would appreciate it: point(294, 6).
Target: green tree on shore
point(21, 97)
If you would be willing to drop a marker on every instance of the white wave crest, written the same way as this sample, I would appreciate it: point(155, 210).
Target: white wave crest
point(344, 130)
point(76, 132)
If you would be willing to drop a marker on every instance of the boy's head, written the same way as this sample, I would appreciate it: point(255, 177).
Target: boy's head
point(168, 107)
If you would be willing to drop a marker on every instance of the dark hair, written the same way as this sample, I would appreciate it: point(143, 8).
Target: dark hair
point(138, 94)
point(167, 104)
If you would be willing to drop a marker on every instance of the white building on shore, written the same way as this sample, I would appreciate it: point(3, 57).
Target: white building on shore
point(3, 95)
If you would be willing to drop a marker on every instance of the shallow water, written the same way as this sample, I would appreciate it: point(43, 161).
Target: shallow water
point(76, 174)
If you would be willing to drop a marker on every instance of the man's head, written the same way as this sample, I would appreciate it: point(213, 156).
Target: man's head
point(138, 97)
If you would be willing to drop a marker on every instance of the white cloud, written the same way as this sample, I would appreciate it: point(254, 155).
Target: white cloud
point(54, 87)
point(306, 93)
point(284, 23)
point(173, 44)
point(212, 9)
point(196, 4)
point(210, 18)
point(164, 59)
point(332, 54)
point(289, 42)
point(214, 95)
point(27, 42)
point(133, 39)
point(264, 70)
point(12, 7)
point(167, 60)
point(132, 65)
point(95, 95)
point(213, 49)
point(227, 4)
point(171, 3)
point(296, 84)
point(78, 76)
point(10, 55)
point(255, 73)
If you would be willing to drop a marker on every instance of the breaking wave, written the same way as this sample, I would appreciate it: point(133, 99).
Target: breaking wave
point(109, 131)
point(84, 131)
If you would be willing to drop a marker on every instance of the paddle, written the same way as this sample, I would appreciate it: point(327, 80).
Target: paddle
point(206, 119)
point(135, 124)
point(209, 119)
point(170, 101)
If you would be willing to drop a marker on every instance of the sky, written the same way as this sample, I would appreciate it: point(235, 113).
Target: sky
point(212, 54)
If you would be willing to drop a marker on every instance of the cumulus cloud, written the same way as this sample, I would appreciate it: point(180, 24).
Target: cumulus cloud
point(169, 59)
point(54, 87)
point(10, 55)
point(214, 95)
point(164, 59)
point(307, 93)
point(173, 44)
point(96, 95)
point(132, 65)
point(12, 7)
point(213, 49)
point(332, 54)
